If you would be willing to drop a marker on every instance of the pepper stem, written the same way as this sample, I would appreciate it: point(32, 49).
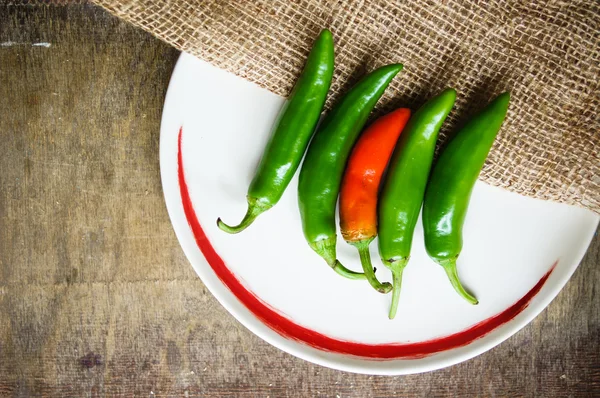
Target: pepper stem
point(365, 261)
point(345, 272)
point(450, 268)
point(326, 249)
point(254, 210)
point(397, 268)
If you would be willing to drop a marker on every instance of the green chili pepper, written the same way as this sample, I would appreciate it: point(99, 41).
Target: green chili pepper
point(404, 187)
point(321, 173)
point(293, 130)
point(450, 186)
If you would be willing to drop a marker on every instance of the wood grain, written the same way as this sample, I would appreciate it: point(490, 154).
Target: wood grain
point(96, 296)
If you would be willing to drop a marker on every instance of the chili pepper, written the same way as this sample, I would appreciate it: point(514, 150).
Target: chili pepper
point(323, 167)
point(450, 186)
point(292, 132)
point(404, 187)
point(360, 186)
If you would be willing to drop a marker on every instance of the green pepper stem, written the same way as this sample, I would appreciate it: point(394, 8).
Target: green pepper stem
point(326, 249)
point(254, 210)
point(345, 272)
point(365, 261)
point(450, 268)
point(397, 268)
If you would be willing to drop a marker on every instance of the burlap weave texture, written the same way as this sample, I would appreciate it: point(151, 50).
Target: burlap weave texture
point(546, 53)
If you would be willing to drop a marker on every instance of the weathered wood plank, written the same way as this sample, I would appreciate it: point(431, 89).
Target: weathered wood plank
point(96, 296)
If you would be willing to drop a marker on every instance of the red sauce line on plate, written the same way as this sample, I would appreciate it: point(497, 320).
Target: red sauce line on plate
point(287, 328)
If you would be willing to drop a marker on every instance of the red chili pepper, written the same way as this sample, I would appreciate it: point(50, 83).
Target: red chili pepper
point(360, 186)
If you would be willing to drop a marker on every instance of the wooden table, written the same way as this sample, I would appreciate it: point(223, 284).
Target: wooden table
point(96, 296)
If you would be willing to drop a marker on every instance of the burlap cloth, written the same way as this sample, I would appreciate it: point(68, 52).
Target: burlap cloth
point(546, 53)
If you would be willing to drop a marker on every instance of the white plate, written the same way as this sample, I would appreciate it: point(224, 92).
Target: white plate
point(288, 296)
